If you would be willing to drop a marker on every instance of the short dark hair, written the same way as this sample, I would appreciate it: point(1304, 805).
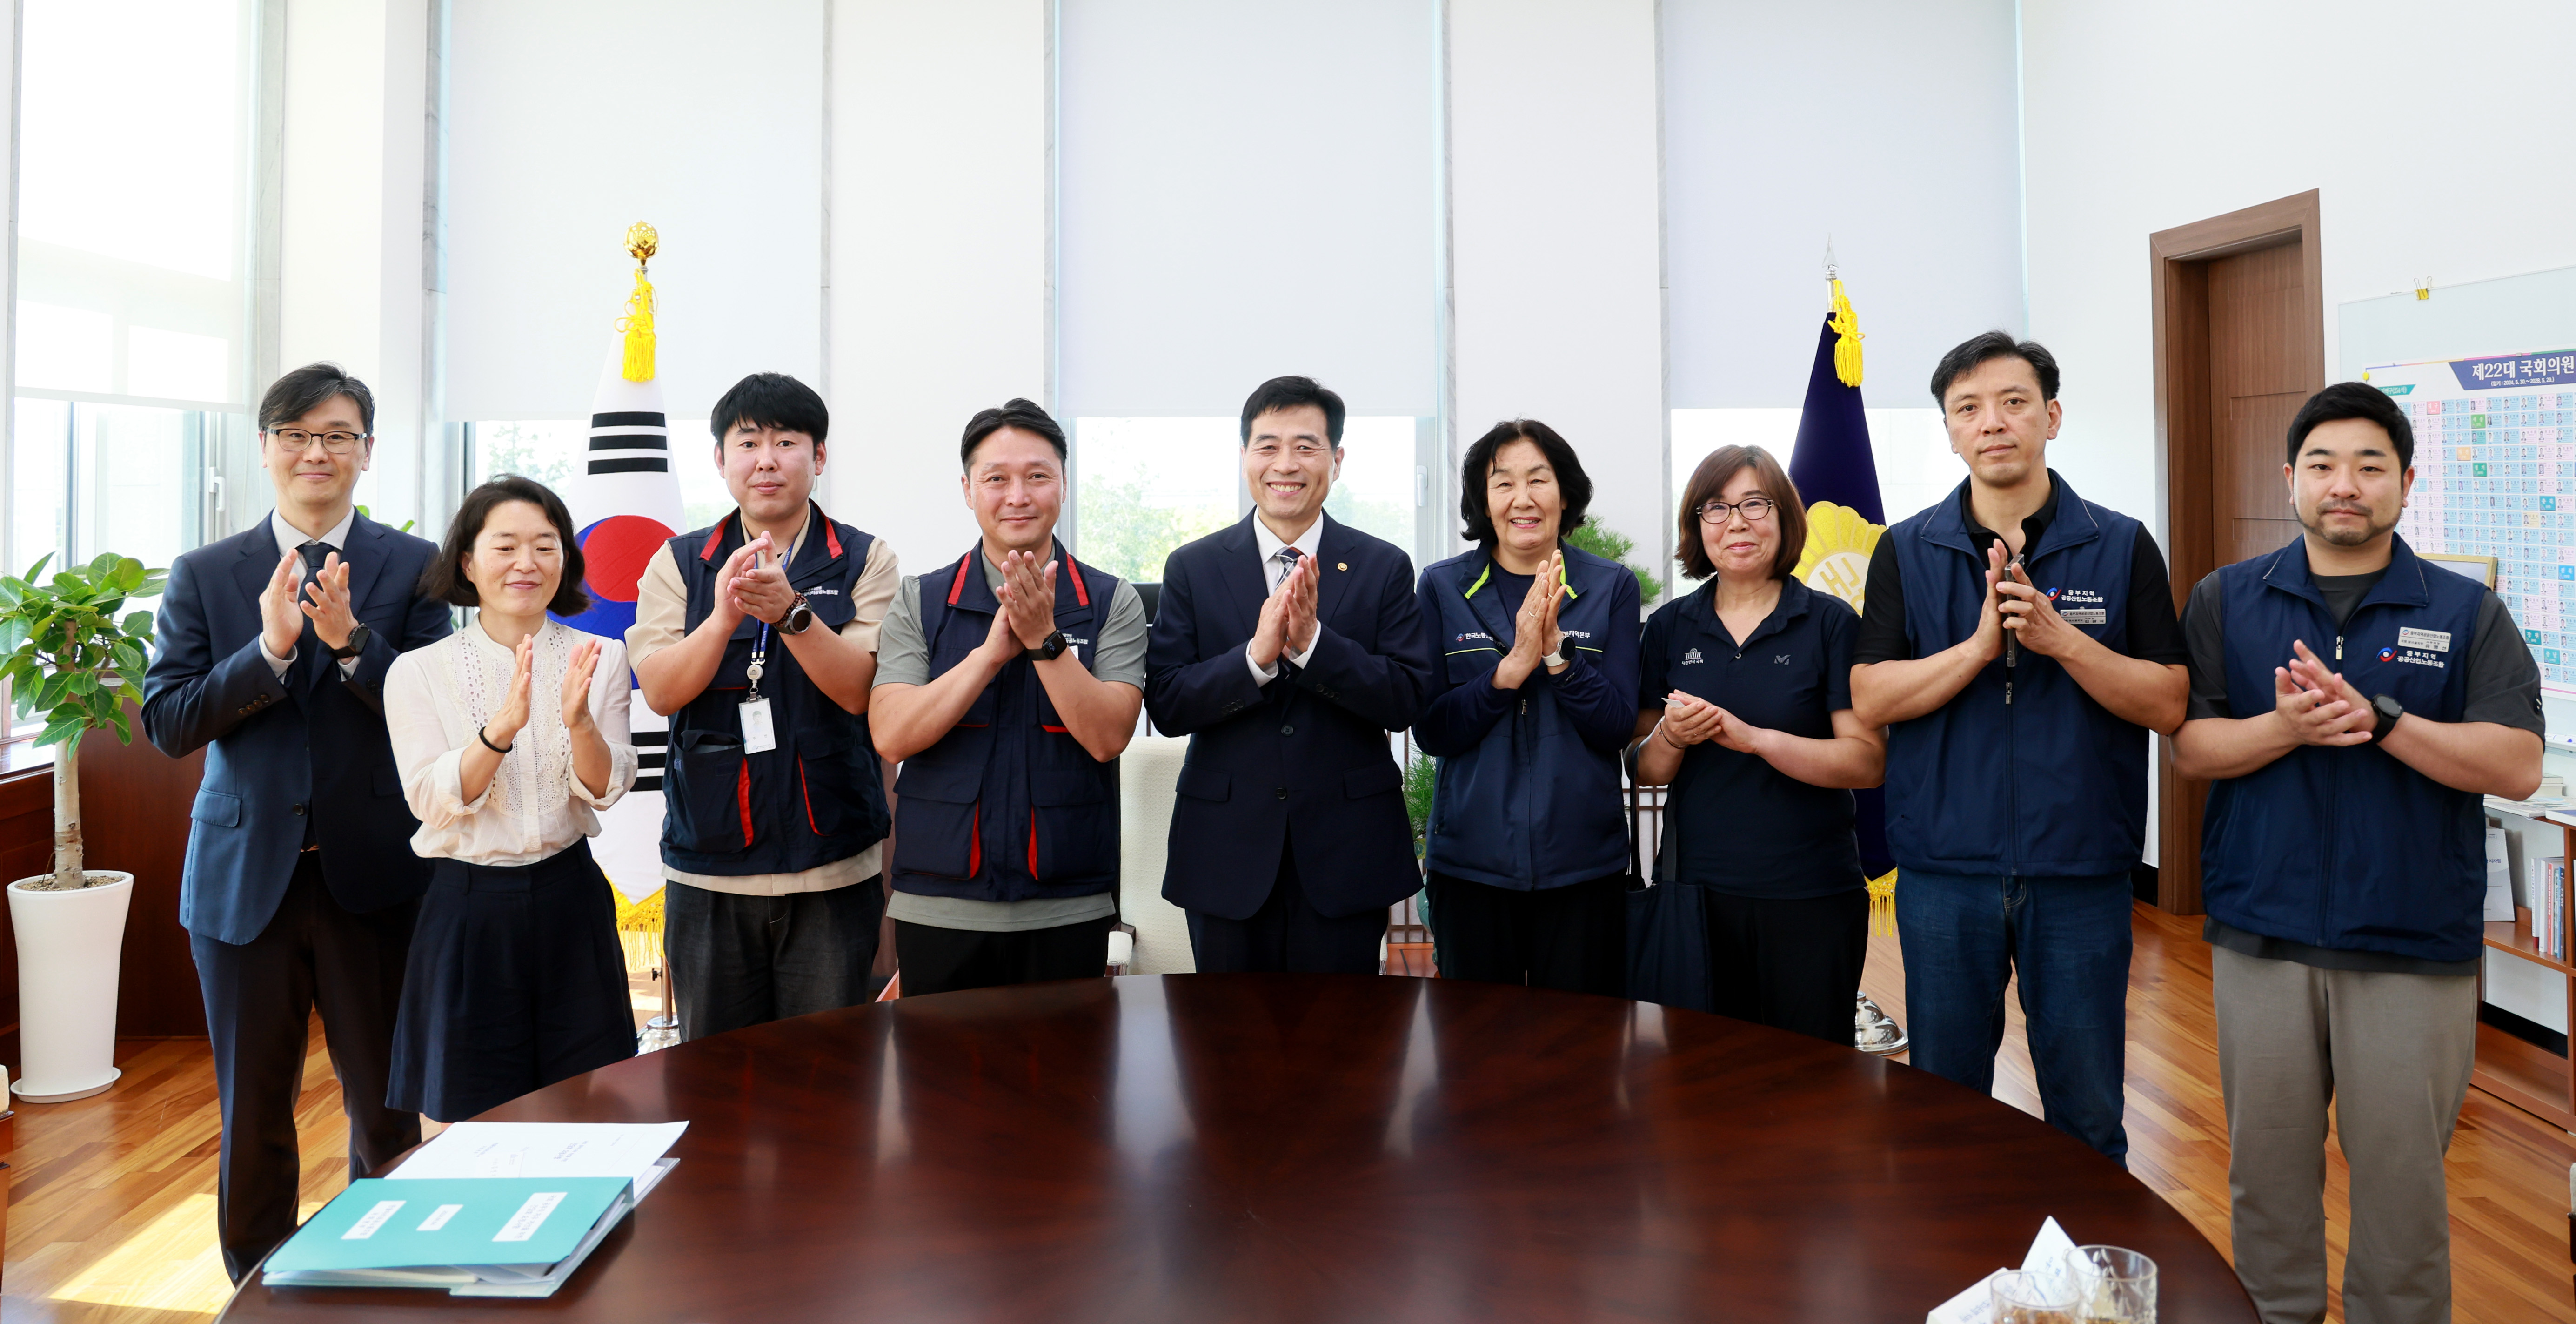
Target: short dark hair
point(1288, 393)
point(2355, 400)
point(1014, 413)
point(771, 400)
point(445, 578)
point(308, 388)
point(1479, 465)
point(1711, 478)
point(1977, 351)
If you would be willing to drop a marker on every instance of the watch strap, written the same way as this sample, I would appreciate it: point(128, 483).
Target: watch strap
point(357, 644)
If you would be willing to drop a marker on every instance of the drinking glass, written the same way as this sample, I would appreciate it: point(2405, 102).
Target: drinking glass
point(2112, 1285)
point(2031, 1298)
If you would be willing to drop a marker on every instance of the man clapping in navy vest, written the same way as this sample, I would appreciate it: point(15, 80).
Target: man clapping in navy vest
point(758, 638)
point(1286, 648)
point(2350, 703)
point(2019, 642)
point(1009, 684)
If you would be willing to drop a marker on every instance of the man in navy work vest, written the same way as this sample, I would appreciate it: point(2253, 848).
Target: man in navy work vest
point(2019, 642)
point(300, 884)
point(757, 637)
point(1009, 684)
point(2351, 703)
point(1286, 648)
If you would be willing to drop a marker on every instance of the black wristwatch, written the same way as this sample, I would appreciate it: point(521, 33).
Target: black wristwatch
point(799, 618)
point(2387, 707)
point(358, 637)
point(1049, 649)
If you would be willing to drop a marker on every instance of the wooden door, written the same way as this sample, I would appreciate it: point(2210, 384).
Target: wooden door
point(2240, 345)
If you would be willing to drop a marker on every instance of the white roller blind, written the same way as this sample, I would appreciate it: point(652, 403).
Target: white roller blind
point(1886, 124)
point(570, 120)
point(1246, 190)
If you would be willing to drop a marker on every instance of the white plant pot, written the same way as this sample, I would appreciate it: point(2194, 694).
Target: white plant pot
point(69, 944)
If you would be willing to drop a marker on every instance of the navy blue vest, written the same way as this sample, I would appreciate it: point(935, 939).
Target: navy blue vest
point(816, 797)
point(2051, 784)
point(2348, 847)
point(1532, 807)
point(1008, 806)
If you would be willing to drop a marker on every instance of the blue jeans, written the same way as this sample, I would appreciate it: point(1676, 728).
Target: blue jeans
point(1965, 936)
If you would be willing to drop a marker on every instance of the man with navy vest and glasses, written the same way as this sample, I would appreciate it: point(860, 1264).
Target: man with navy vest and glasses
point(2350, 703)
point(2019, 643)
point(1009, 684)
point(1287, 648)
point(757, 636)
point(300, 884)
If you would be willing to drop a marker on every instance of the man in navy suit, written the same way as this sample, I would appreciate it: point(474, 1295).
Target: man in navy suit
point(1286, 648)
point(300, 883)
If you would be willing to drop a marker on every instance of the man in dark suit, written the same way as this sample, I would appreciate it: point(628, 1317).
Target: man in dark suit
point(1286, 648)
point(300, 883)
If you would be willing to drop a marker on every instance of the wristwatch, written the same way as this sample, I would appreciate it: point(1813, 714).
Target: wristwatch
point(799, 618)
point(1048, 649)
point(1554, 660)
point(2387, 708)
point(358, 637)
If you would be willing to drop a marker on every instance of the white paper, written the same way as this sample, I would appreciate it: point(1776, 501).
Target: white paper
point(2047, 1257)
point(543, 1149)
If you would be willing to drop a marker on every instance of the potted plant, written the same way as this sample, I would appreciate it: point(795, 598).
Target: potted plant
point(71, 658)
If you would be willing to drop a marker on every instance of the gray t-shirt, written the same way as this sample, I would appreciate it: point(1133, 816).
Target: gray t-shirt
point(2504, 688)
point(903, 658)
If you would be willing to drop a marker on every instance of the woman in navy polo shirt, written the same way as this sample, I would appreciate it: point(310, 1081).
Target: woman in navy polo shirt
point(1745, 708)
point(1528, 712)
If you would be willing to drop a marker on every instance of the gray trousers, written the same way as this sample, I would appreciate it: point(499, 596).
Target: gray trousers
point(2392, 1053)
point(745, 960)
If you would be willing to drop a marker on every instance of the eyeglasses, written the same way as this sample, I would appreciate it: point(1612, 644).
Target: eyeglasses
point(1754, 509)
point(337, 443)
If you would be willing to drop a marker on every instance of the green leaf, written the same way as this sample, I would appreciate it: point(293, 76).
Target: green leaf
point(129, 574)
point(39, 567)
point(82, 682)
point(124, 728)
point(63, 733)
point(137, 624)
point(52, 693)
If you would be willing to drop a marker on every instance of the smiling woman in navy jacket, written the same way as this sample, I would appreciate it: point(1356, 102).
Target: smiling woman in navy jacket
point(1529, 710)
point(1746, 710)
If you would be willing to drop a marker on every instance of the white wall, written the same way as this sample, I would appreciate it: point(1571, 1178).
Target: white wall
point(349, 284)
point(1555, 228)
point(939, 302)
point(1884, 125)
point(2435, 136)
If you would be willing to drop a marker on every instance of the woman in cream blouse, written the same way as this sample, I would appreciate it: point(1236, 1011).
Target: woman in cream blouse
point(510, 735)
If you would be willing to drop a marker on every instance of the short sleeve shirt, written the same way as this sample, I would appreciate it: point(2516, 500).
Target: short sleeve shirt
point(2504, 688)
point(1737, 824)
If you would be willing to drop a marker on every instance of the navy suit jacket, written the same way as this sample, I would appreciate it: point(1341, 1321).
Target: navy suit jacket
point(1303, 759)
point(308, 748)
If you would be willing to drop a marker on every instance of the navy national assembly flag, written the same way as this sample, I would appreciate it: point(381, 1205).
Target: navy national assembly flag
point(1838, 479)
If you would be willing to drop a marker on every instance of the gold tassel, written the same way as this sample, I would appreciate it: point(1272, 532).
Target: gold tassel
point(639, 932)
point(642, 242)
point(1882, 905)
point(1847, 349)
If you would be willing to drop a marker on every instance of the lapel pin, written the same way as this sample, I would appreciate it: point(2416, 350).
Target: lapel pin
point(1341, 565)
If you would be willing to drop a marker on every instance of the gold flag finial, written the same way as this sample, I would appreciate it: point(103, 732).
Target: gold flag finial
point(642, 242)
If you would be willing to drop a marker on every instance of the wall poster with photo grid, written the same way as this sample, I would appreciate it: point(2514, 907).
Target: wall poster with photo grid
point(2495, 475)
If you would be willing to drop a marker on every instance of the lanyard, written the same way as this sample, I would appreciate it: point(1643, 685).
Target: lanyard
point(759, 653)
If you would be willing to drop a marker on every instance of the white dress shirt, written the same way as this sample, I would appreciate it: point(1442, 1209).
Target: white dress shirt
point(437, 700)
point(291, 539)
point(1272, 571)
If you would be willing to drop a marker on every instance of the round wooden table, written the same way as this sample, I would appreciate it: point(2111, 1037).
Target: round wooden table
point(1313, 1148)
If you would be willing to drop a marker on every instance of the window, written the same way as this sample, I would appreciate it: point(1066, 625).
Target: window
point(1144, 486)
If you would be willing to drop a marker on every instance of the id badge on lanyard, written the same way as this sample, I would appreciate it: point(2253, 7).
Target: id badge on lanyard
point(758, 736)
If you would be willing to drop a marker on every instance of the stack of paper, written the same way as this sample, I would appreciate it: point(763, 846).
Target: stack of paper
point(2047, 1258)
point(2499, 878)
point(485, 1209)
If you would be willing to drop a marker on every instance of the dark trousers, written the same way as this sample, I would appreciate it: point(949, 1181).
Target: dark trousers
point(1573, 938)
point(516, 981)
point(1792, 964)
point(747, 960)
point(936, 960)
point(2067, 940)
point(1288, 934)
point(260, 996)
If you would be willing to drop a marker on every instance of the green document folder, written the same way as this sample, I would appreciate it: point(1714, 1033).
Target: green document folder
point(481, 1235)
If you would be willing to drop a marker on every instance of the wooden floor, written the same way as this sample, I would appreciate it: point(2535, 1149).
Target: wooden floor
point(111, 1202)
